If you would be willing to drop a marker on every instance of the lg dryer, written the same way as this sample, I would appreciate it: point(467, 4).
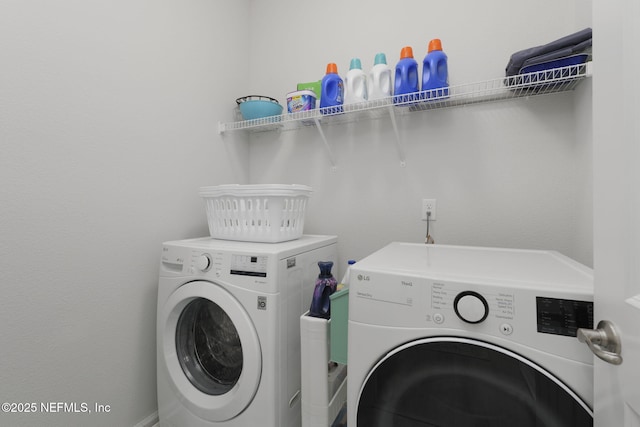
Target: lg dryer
point(464, 337)
point(228, 330)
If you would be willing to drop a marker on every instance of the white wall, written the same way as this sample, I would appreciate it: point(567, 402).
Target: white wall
point(108, 126)
point(513, 174)
point(108, 119)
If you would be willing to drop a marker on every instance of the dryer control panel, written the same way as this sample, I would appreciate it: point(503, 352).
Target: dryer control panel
point(472, 306)
point(533, 298)
point(544, 319)
point(563, 316)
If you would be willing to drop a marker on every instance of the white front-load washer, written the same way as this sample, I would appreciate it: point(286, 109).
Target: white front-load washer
point(228, 330)
point(453, 336)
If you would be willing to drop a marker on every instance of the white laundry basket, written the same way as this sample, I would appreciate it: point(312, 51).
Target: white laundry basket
point(256, 213)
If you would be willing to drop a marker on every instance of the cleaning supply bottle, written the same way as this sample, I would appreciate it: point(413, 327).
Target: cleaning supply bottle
point(355, 83)
point(380, 78)
point(347, 276)
point(332, 91)
point(326, 284)
point(406, 78)
point(435, 72)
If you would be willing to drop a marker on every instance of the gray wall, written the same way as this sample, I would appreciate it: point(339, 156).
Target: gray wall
point(513, 174)
point(108, 126)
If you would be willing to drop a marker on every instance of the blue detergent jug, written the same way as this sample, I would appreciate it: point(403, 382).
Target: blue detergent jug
point(406, 78)
point(435, 72)
point(332, 91)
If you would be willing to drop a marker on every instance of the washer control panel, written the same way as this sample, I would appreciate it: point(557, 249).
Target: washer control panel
point(249, 265)
point(218, 264)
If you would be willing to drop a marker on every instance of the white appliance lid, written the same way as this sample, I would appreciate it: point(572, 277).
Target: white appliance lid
point(288, 248)
point(480, 265)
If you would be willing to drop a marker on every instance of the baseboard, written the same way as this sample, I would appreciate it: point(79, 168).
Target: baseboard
point(149, 421)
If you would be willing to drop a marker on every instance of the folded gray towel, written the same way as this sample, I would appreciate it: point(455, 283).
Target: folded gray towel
point(565, 46)
point(583, 47)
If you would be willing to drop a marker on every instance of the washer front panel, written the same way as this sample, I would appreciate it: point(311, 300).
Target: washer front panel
point(448, 381)
point(198, 389)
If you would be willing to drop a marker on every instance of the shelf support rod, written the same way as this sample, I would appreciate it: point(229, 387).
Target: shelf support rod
point(392, 114)
point(326, 143)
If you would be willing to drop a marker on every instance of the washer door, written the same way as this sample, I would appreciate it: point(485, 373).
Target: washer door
point(211, 350)
point(457, 382)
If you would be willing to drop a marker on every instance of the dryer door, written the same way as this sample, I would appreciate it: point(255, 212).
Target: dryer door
point(457, 382)
point(211, 350)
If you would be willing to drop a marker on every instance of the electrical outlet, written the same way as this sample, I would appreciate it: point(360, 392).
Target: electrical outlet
point(429, 205)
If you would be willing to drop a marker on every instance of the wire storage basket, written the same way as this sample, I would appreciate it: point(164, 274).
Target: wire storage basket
point(256, 213)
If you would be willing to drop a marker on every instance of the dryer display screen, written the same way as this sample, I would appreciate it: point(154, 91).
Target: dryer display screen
point(249, 265)
point(563, 317)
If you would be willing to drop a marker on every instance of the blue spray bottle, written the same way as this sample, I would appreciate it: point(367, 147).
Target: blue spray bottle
point(326, 284)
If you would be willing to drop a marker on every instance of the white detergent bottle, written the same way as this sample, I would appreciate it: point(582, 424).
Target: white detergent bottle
point(346, 279)
point(355, 83)
point(380, 78)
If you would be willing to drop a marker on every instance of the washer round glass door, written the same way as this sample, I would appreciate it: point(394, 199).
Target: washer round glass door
point(212, 351)
point(459, 382)
point(208, 346)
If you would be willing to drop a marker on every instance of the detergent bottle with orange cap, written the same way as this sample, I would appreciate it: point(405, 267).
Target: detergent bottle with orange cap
point(406, 86)
point(332, 91)
point(435, 72)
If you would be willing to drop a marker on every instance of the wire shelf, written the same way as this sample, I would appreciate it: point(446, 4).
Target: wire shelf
point(522, 85)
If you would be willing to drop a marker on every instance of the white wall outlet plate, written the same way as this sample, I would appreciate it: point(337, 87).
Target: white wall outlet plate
point(429, 205)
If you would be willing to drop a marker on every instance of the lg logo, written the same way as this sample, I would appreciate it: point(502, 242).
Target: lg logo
point(362, 277)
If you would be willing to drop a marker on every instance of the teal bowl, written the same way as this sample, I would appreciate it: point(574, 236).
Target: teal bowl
point(257, 107)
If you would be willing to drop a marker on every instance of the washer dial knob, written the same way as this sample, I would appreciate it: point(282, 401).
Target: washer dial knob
point(471, 307)
point(203, 262)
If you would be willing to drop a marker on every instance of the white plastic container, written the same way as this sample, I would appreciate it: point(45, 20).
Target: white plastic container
point(256, 213)
point(355, 83)
point(380, 78)
point(324, 386)
point(301, 100)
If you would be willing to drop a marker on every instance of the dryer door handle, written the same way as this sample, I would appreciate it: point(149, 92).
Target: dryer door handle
point(604, 342)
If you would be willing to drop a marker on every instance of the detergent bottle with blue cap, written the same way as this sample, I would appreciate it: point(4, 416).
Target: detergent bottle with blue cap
point(346, 279)
point(326, 285)
point(355, 83)
point(380, 78)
